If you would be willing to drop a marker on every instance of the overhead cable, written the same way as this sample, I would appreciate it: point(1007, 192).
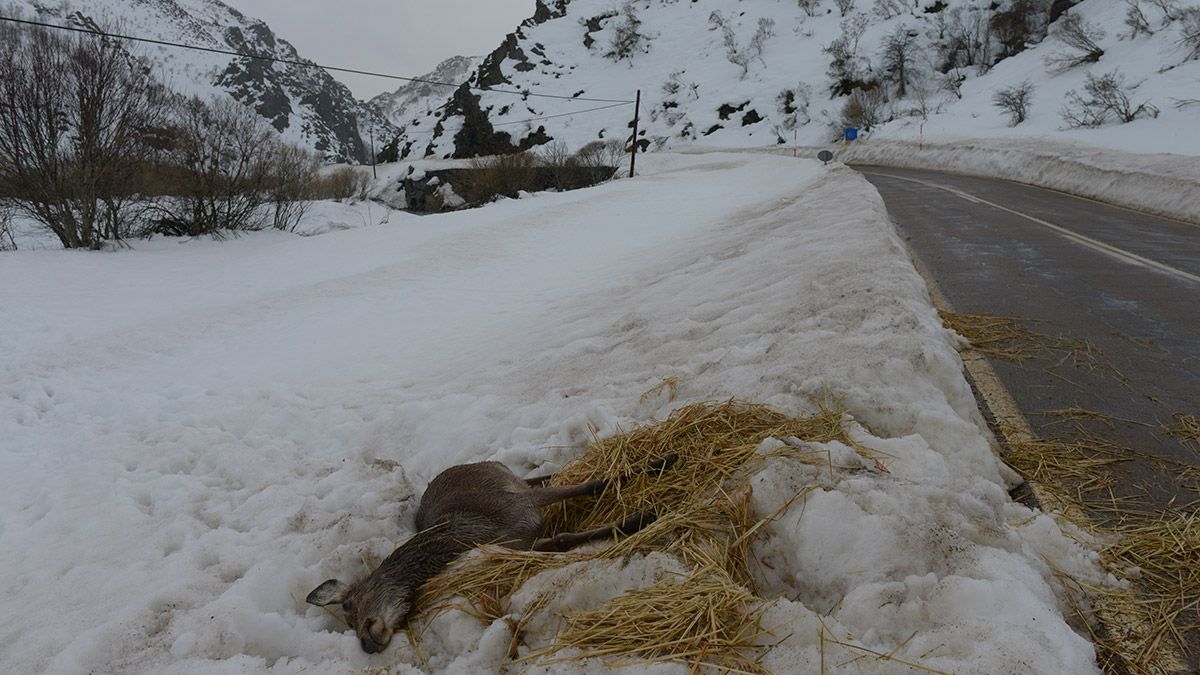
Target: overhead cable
point(304, 63)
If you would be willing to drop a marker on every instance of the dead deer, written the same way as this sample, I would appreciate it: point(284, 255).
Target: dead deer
point(463, 507)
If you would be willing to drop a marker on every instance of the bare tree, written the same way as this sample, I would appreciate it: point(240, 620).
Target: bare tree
point(844, 6)
point(77, 119)
point(847, 69)
point(896, 57)
point(1105, 95)
point(1075, 33)
point(224, 153)
point(292, 176)
point(1015, 101)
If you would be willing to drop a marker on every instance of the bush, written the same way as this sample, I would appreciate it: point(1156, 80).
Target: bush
point(1022, 22)
point(628, 38)
point(342, 183)
point(236, 173)
point(864, 110)
point(599, 155)
point(503, 175)
point(1189, 37)
point(1136, 20)
point(1106, 96)
point(1015, 101)
point(78, 119)
point(1079, 35)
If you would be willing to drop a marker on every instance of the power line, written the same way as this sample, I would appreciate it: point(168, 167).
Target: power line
point(303, 64)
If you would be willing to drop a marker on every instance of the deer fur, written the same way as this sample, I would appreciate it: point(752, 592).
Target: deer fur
point(463, 507)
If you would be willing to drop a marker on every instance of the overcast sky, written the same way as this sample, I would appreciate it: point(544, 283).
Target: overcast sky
point(401, 37)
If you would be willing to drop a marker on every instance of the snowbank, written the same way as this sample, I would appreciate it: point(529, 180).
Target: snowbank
point(1164, 184)
point(193, 437)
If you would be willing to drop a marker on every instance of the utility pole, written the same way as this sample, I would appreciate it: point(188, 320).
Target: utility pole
point(371, 126)
point(637, 108)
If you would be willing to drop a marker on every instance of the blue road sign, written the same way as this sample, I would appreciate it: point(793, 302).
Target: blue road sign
point(851, 134)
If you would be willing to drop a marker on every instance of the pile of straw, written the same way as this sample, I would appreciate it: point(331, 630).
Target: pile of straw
point(708, 618)
point(1149, 625)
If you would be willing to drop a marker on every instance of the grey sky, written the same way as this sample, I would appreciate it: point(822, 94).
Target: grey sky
point(401, 37)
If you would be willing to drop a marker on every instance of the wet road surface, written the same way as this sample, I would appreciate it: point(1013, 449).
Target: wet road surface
point(1126, 282)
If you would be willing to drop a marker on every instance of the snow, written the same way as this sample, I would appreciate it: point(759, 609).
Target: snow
point(1165, 184)
point(195, 434)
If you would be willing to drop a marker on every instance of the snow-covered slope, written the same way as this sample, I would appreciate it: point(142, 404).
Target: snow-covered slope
point(306, 105)
point(722, 74)
point(421, 97)
point(181, 462)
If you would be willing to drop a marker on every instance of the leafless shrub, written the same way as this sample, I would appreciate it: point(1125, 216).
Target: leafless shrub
point(864, 109)
point(342, 183)
point(810, 7)
point(1077, 34)
point(952, 82)
point(228, 158)
point(1136, 20)
point(1189, 32)
point(1016, 25)
point(292, 175)
point(793, 106)
point(1104, 96)
point(739, 55)
point(847, 70)
point(500, 175)
point(628, 39)
point(844, 6)
point(7, 242)
point(1170, 11)
point(965, 39)
point(1015, 101)
point(557, 158)
point(601, 154)
point(923, 99)
point(887, 9)
point(78, 116)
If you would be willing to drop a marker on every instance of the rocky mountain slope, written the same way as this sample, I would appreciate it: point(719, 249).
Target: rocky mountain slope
point(419, 98)
point(770, 72)
point(306, 105)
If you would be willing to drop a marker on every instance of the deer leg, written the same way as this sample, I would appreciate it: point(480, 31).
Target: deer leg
point(595, 487)
point(565, 541)
point(548, 495)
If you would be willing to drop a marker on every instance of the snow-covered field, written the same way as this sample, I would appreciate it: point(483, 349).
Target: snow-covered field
point(195, 434)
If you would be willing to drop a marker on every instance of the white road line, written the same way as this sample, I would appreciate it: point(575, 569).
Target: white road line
point(1094, 244)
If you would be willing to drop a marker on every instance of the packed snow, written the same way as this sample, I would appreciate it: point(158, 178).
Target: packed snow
point(1164, 184)
point(194, 434)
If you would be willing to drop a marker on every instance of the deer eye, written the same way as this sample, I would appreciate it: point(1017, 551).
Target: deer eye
point(348, 606)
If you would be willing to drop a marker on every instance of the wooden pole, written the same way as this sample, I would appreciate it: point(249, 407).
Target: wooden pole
point(372, 127)
point(637, 108)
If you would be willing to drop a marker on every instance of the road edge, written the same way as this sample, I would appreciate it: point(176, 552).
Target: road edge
point(1008, 426)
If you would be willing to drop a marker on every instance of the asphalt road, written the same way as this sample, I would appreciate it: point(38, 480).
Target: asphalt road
point(1126, 282)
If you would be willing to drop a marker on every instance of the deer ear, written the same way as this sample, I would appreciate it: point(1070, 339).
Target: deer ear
point(329, 593)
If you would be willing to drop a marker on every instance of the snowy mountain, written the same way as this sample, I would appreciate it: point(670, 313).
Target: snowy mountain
point(421, 97)
point(724, 74)
point(306, 105)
